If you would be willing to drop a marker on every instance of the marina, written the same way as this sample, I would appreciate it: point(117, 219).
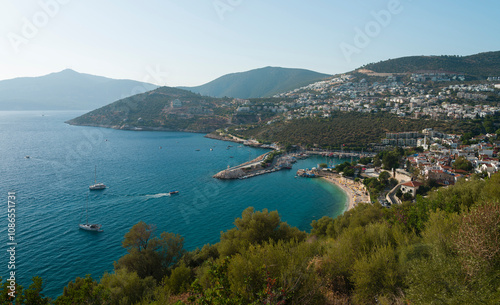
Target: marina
point(356, 191)
point(257, 166)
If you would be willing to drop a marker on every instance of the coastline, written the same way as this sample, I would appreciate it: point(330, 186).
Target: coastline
point(137, 128)
point(353, 191)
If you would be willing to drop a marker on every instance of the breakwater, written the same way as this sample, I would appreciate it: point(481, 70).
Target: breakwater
point(256, 167)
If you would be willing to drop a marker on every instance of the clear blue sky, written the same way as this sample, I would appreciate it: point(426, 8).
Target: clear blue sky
point(191, 42)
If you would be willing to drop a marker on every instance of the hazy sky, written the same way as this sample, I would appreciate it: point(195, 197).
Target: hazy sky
point(191, 42)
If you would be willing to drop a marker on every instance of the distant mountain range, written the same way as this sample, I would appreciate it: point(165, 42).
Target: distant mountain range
point(263, 82)
point(167, 108)
point(70, 90)
point(66, 90)
point(479, 65)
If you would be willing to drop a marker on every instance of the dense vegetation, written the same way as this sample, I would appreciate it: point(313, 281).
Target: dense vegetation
point(155, 109)
point(442, 249)
point(479, 65)
point(351, 130)
point(263, 82)
point(354, 130)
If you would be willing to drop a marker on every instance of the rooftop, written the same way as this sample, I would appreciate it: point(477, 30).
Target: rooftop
point(412, 184)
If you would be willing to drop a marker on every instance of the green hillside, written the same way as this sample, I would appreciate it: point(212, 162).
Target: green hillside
point(264, 82)
point(478, 65)
point(162, 109)
point(354, 130)
point(181, 110)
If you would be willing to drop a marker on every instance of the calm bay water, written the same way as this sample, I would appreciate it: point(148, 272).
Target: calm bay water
point(139, 169)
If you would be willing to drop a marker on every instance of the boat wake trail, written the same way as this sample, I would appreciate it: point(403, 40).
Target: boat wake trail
point(159, 195)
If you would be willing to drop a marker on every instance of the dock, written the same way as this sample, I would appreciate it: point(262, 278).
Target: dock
point(308, 173)
point(254, 167)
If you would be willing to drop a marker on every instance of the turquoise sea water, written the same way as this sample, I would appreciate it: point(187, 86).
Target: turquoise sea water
point(139, 169)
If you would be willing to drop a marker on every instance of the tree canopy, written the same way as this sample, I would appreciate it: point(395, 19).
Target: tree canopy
point(149, 255)
point(463, 164)
point(444, 248)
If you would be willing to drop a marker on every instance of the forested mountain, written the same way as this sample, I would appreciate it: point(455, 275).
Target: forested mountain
point(66, 90)
point(353, 129)
point(267, 118)
point(263, 82)
point(165, 108)
point(479, 65)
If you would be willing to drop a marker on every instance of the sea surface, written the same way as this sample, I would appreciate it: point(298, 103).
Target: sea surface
point(139, 168)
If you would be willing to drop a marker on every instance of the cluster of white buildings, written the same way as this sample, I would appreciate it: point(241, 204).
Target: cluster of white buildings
point(437, 161)
point(436, 76)
point(410, 99)
point(438, 165)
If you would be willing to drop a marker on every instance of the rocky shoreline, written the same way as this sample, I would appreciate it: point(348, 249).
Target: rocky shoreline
point(137, 128)
point(223, 138)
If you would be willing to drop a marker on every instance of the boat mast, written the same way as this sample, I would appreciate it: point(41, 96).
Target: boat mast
point(95, 174)
point(87, 209)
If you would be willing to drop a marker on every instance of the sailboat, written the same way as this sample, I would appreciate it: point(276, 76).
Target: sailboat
point(87, 226)
point(96, 186)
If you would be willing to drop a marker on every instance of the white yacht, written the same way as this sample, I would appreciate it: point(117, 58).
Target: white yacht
point(96, 185)
point(89, 226)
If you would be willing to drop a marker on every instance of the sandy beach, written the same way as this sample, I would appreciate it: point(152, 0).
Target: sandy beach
point(355, 191)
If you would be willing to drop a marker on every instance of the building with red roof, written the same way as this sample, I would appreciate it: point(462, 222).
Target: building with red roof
point(411, 187)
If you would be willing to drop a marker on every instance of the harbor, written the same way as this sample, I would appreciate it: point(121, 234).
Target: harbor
point(260, 166)
point(356, 192)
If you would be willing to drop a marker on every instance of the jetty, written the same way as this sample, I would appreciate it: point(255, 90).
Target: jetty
point(255, 167)
point(241, 170)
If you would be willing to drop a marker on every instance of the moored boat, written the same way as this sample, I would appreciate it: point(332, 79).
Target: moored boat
point(94, 227)
point(97, 185)
point(91, 227)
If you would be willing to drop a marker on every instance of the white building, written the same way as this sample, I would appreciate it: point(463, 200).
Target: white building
point(410, 187)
